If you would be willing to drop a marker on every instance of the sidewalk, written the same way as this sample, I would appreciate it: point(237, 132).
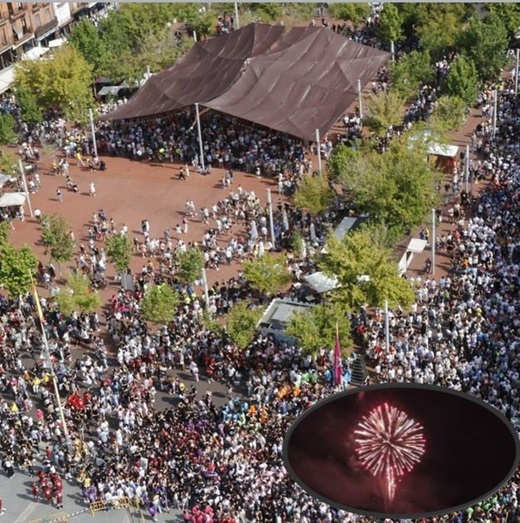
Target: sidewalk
point(461, 138)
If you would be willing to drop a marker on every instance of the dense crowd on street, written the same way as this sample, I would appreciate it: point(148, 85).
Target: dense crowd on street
point(224, 464)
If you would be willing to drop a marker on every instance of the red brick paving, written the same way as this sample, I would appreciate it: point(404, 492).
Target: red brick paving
point(130, 192)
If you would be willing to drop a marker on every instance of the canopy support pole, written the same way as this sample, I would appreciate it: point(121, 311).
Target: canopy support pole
point(27, 196)
point(495, 110)
point(271, 224)
point(201, 159)
point(318, 150)
point(432, 239)
point(93, 131)
point(360, 99)
point(237, 23)
point(516, 69)
point(467, 168)
point(387, 327)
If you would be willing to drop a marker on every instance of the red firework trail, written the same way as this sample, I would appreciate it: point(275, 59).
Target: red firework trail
point(389, 444)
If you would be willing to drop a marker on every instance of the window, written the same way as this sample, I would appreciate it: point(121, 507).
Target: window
point(3, 36)
point(37, 20)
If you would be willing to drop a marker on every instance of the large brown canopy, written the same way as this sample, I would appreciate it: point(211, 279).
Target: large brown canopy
point(292, 80)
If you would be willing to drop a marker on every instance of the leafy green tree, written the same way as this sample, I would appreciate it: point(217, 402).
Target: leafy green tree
point(159, 303)
point(4, 233)
point(241, 323)
point(297, 243)
point(57, 238)
point(77, 295)
point(438, 27)
point(339, 160)
point(449, 114)
point(315, 327)
point(366, 271)
point(411, 72)
point(17, 267)
point(31, 112)
point(384, 110)
point(61, 81)
point(267, 274)
point(509, 13)
point(314, 194)
point(7, 134)
point(396, 188)
point(8, 164)
point(191, 262)
point(485, 43)
point(390, 24)
point(355, 12)
point(87, 40)
point(268, 12)
point(119, 251)
point(462, 81)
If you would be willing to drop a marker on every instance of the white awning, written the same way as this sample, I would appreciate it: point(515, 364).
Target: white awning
point(449, 151)
point(35, 53)
point(416, 245)
point(58, 42)
point(321, 283)
point(6, 78)
point(12, 199)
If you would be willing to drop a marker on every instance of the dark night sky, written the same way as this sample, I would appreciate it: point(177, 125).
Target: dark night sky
point(469, 451)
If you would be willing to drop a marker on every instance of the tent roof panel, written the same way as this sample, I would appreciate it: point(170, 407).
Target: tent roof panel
point(295, 80)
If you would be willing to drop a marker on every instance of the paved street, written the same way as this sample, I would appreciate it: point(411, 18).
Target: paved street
point(20, 507)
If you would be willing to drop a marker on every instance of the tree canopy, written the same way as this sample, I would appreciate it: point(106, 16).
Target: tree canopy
point(159, 303)
point(353, 12)
point(315, 327)
point(77, 295)
point(462, 80)
point(485, 43)
point(390, 24)
point(411, 72)
point(57, 238)
point(384, 110)
point(17, 266)
point(396, 188)
point(119, 251)
point(241, 323)
point(7, 134)
point(61, 80)
point(267, 274)
point(314, 194)
point(190, 262)
point(366, 271)
point(449, 114)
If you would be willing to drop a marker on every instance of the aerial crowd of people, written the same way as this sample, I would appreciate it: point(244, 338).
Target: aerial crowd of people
point(225, 463)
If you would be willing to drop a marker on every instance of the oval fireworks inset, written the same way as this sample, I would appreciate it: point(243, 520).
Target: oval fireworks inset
point(401, 450)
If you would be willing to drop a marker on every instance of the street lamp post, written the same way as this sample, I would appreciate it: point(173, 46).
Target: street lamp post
point(318, 150)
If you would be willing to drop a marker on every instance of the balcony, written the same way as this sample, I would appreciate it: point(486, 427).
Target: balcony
point(45, 29)
point(17, 15)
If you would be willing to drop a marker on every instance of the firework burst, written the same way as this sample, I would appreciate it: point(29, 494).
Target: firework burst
point(389, 444)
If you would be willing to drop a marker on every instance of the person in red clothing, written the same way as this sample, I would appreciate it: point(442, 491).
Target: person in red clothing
point(35, 491)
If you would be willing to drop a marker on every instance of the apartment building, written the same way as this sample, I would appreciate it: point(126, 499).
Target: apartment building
point(27, 29)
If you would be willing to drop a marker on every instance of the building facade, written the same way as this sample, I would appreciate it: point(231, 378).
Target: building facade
point(27, 29)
